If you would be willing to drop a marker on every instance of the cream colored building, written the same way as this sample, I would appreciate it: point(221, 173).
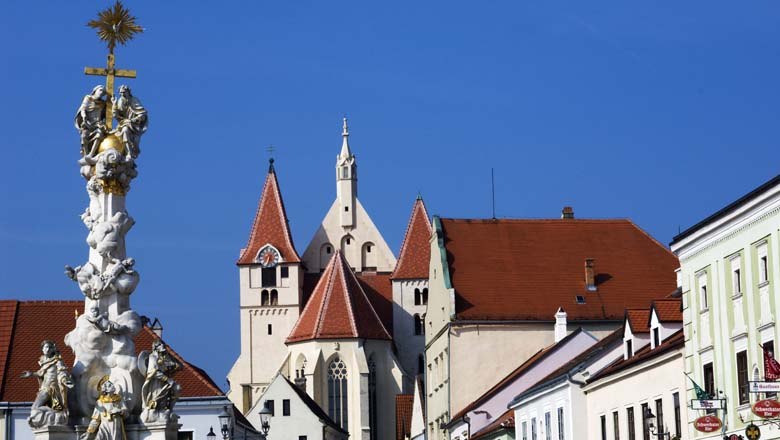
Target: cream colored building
point(729, 267)
point(496, 284)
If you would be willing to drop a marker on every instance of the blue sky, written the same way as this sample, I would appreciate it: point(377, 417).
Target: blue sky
point(660, 112)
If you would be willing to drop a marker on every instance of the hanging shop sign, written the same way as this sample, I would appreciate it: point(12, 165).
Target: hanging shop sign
point(764, 387)
point(767, 408)
point(707, 424)
point(708, 404)
point(752, 432)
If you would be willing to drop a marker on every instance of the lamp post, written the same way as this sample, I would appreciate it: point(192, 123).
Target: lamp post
point(265, 421)
point(656, 430)
point(224, 423)
point(211, 435)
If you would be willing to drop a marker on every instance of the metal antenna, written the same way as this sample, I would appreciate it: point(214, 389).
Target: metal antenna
point(493, 191)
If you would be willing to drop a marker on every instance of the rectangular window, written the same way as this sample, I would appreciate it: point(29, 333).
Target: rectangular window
point(547, 426)
point(286, 407)
point(763, 269)
point(270, 405)
point(736, 281)
point(656, 337)
point(629, 348)
point(677, 418)
point(269, 277)
point(533, 429)
point(702, 279)
point(184, 435)
point(270, 330)
point(284, 272)
point(645, 424)
point(742, 377)
point(524, 430)
point(561, 425)
point(631, 423)
point(659, 416)
point(301, 437)
point(770, 347)
point(603, 427)
point(616, 425)
point(709, 379)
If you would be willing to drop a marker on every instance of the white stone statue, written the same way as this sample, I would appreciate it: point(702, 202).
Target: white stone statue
point(90, 120)
point(108, 417)
point(51, 403)
point(159, 392)
point(132, 120)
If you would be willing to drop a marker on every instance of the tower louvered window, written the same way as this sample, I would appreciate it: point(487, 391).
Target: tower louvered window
point(338, 408)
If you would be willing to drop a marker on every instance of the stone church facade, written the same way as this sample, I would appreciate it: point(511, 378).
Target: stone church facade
point(342, 321)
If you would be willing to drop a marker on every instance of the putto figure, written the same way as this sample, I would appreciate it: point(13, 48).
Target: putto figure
point(90, 121)
point(132, 120)
point(51, 404)
point(108, 418)
point(159, 392)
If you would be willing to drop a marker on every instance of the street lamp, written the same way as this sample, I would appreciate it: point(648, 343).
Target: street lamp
point(211, 435)
point(265, 420)
point(224, 422)
point(655, 430)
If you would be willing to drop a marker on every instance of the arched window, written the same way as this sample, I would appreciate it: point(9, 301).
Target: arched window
point(368, 257)
point(425, 296)
point(264, 298)
point(372, 410)
point(337, 392)
point(419, 328)
point(274, 297)
point(417, 297)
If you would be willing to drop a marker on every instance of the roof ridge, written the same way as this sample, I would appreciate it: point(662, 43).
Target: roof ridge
point(325, 300)
point(350, 304)
point(4, 360)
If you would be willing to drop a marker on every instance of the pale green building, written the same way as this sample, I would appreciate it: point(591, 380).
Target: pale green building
point(729, 267)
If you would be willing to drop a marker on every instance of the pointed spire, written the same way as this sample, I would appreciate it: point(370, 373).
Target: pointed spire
point(345, 152)
point(338, 308)
point(415, 254)
point(270, 225)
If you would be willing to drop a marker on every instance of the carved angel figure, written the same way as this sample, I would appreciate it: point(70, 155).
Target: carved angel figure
point(132, 120)
point(159, 392)
point(90, 120)
point(51, 404)
point(108, 418)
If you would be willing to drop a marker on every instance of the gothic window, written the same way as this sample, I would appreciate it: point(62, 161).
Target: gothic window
point(264, 298)
point(417, 297)
point(338, 408)
point(425, 296)
point(274, 297)
point(418, 325)
point(372, 410)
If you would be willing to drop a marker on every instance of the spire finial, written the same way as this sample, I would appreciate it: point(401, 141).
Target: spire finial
point(270, 149)
point(345, 153)
point(345, 132)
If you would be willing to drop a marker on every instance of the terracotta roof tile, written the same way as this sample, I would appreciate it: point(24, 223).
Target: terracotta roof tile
point(338, 308)
point(526, 269)
point(403, 415)
point(505, 421)
point(39, 320)
point(7, 319)
point(668, 310)
point(270, 225)
point(638, 320)
point(415, 253)
point(674, 341)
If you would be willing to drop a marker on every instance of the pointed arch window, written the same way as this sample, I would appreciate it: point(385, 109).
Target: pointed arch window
point(338, 408)
point(372, 408)
point(419, 328)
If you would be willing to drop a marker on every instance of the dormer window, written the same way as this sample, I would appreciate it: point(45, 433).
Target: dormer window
point(629, 348)
point(580, 299)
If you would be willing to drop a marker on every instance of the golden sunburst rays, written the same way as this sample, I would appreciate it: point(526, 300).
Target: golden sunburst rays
point(115, 25)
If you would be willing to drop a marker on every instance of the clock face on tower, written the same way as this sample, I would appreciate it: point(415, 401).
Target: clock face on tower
point(268, 257)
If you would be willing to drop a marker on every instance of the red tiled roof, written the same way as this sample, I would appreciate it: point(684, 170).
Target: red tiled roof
point(39, 320)
point(527, 269)
point(415, 253)
point(505, 421)
point(638, 320)
point(674, 341)
point(7, 319)
point(270, 225)
point(338, 308)
point(668, 310)
point(403, 415)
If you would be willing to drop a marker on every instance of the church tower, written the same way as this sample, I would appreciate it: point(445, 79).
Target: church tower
point(347, 226)
point(271, 278)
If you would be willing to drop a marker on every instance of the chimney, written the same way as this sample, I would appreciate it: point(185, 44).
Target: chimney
point(567, 212)
point(560, 324)
point(590, 275)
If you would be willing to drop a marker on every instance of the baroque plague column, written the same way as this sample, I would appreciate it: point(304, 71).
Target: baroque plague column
point(110, 393)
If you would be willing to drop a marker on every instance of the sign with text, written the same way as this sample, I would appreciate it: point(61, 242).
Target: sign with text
point(767, 408)
point(707, 424)
point(708, 404)
point(765, 387)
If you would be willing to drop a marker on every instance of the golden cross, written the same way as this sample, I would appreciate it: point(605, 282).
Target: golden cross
point(110, 72)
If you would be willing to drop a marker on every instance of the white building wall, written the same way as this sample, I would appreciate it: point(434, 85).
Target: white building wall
point(410, 346)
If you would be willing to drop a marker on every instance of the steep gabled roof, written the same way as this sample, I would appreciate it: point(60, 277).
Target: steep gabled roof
point(667, 310)
point(673, 342)
point(270, 225)
point(526, 268)
point(505, 421)
point(403, 415)
point(313, 407)
point(39, 320)
point(338, 308)
point(638, 320)
point(415, 255)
